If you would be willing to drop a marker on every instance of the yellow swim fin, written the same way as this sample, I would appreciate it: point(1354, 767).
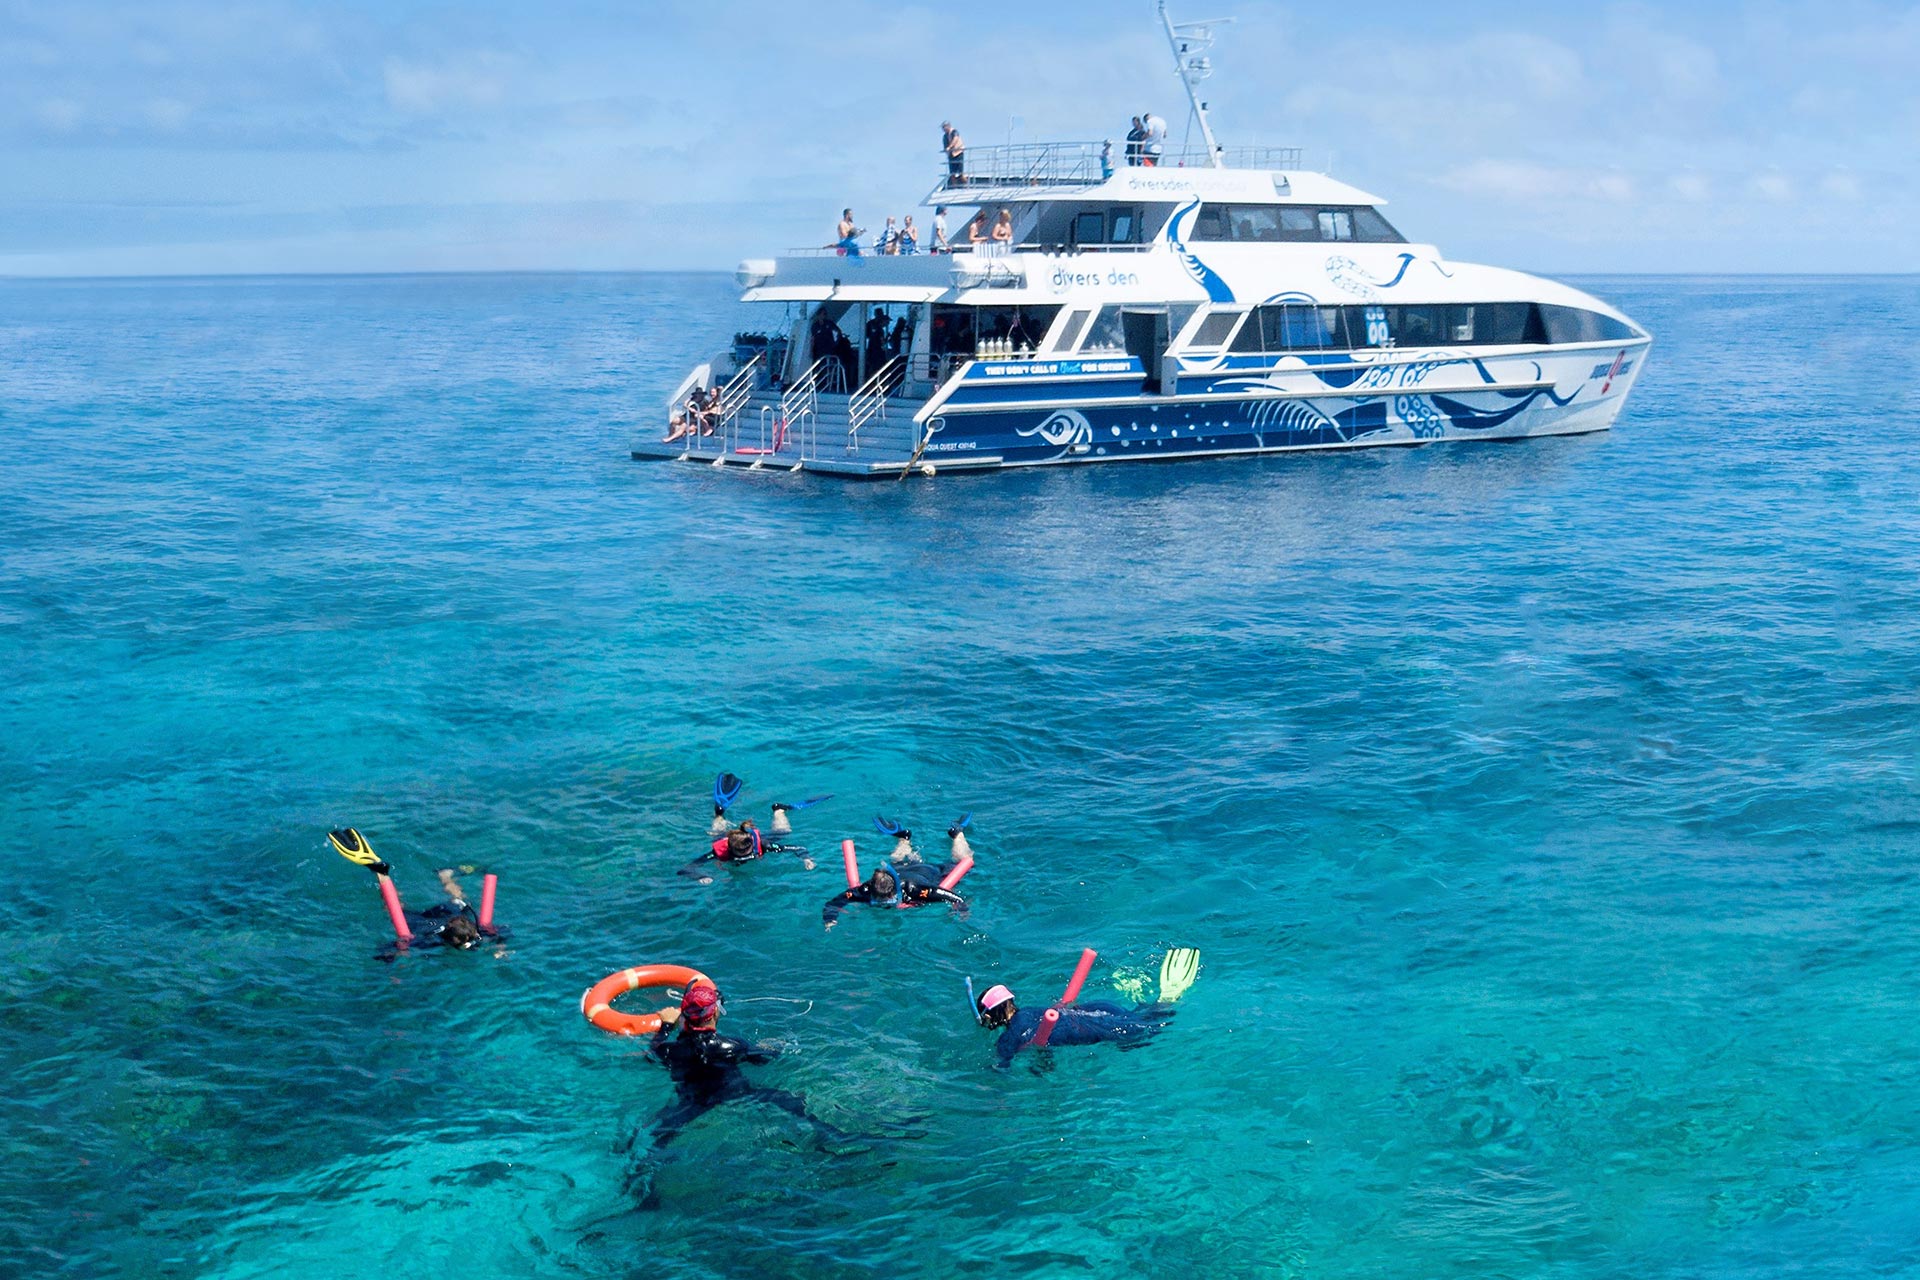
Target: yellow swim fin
point(1177, 973)
point(353, 846)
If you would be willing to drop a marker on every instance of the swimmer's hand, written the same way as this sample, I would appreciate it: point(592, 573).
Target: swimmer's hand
point(704, 880)
point(807, 863)
point(670, 1015)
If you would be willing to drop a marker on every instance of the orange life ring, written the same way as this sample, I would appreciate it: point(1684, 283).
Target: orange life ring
point(597, 1002)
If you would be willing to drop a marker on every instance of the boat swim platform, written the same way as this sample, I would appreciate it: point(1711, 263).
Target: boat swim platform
point(867, 463)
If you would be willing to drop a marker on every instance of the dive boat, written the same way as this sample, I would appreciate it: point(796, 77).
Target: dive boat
point(1217, 301)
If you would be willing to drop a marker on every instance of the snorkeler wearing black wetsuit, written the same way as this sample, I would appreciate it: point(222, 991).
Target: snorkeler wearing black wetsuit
point(1095, 1022)
point(705, 1067)
point(909, 886)
point(743, 843)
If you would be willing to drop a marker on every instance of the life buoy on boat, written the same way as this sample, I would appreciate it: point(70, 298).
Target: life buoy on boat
point(597, 1002)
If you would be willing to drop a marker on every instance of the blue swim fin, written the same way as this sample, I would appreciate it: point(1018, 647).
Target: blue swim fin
point(887, 826)
point(726, 789)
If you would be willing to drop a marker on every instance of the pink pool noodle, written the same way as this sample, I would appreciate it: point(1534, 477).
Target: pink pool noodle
point(486, 901)
point(391, 896)
point(1048, 1021)
point(1080, 973)
point(853, 864)
point(958, 873)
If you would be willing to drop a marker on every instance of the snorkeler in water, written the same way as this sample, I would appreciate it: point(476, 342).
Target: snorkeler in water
point(453, 923)
point(1095, 1022)
point(913, 885)
point(706, 1069)
point(743, 843)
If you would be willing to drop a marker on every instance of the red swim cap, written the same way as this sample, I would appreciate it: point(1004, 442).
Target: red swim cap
point(701, 1004)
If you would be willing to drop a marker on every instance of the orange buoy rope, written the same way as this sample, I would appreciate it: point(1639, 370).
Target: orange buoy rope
point(597, 1002)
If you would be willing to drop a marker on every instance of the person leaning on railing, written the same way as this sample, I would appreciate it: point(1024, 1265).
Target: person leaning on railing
point(1002, 234)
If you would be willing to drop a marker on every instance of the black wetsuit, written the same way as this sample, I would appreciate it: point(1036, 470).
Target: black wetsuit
point(919, 884)
point(429, 927)
point(1095, 1022)
point(705, 1067)
point(731, 848)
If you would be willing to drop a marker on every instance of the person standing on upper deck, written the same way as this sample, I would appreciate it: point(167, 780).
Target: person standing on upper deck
point(1155, 144)
point(849, 245)
point(956, 148)
point(940, 241)
point(1136, 139)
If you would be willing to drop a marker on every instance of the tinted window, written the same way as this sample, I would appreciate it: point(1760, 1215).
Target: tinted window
point(1268, 223)
point(1571, 324)
point(1336, 224)
point(1090, 228)
point(1368, 225)
point(1298, 224)
point(1122, 227)
point(1107, 333)
point(1214, 329)
point(1256, 222)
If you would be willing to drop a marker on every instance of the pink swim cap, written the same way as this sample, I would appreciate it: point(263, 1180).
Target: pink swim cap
point(994, 998)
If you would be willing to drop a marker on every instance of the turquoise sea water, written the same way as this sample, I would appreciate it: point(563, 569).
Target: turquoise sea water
point(1546, 813)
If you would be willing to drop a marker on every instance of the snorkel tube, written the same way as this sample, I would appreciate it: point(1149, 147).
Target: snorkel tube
point(487, 887)
point(1051, 1018)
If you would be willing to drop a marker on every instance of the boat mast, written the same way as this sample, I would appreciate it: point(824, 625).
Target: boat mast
point(1190, 42)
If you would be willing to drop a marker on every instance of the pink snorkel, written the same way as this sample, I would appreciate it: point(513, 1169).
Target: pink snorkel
point(487, 887)
point(1051, 1018)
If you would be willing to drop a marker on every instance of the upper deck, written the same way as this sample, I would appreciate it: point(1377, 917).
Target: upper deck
point(1028, 173)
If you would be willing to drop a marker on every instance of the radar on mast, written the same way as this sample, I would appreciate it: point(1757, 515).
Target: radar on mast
point(1190, 42)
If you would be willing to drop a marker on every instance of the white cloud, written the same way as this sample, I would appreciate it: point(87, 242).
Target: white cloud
point(1524, 181)
point(1773, 185)
point(1840, 185)
point(1691, 187)
point(167, 114)
point(62, 115)
point(478, 80)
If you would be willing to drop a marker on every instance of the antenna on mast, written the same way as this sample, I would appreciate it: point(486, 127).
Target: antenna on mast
point(1190, 42)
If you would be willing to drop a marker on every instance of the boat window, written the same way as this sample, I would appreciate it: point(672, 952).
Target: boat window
point(1214, 329)
point(1485, 324)
point(1298, 224)
point(1420, 326)
point(1107, 332)
point(1125, 223)
point(1258, 222)
point(1070, 331)
point(1571, 324)
point(1369, 226)
point(1336, 224)
point(1280, 223)
point(1281, 327)
point(1090, 227)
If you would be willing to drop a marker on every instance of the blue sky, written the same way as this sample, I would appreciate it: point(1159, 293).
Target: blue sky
point(165, 137)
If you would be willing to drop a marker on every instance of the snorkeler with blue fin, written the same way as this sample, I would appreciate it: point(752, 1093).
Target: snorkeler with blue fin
point(1095, 1022)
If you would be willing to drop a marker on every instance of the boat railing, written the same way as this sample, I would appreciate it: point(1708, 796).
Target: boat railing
point(824, 375)
point(870, 400)
point(739, 389)
point(1086, 164)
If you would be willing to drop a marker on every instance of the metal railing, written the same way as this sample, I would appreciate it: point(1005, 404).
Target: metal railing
point(1083, 164)
point(870, 401)
point(738, 390)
